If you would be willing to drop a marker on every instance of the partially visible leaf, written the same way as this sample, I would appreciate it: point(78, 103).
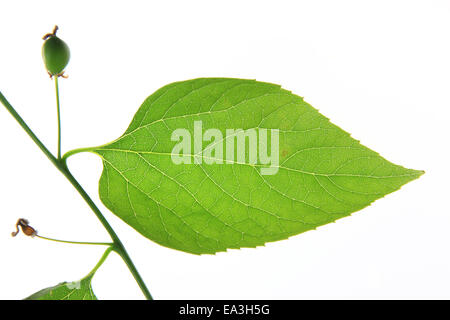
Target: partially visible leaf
point(77, 290)
point(323, 173)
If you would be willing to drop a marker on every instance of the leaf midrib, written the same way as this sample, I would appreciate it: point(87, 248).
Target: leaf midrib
point(279, 167)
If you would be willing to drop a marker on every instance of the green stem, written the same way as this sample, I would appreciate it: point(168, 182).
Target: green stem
point(98, 265)
point(59, 116)
point(76, 242)
point(75, 151)
point(62, 167)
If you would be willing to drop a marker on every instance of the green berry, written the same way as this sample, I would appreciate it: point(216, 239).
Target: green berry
point(56, 53)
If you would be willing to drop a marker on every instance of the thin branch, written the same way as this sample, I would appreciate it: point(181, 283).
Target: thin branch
point(61, 166)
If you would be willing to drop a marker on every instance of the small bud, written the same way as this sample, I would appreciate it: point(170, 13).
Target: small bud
point(26, 228)
point(56, 54)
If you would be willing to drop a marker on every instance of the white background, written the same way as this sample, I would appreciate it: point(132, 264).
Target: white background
point(378, 69)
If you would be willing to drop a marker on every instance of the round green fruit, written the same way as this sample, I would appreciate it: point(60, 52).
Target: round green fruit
point(56, 54)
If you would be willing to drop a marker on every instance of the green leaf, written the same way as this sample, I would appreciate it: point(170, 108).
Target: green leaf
point(77, 290)
point(323, 173)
